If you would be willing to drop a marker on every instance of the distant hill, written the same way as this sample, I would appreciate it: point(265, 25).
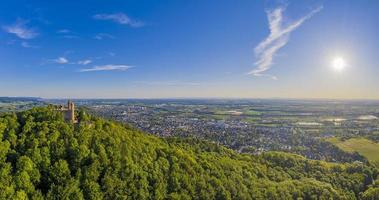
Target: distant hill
point(13, 99)
point(12, 104)
point(43, 157)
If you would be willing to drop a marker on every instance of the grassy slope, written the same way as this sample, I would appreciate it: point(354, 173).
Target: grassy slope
point(363, 146)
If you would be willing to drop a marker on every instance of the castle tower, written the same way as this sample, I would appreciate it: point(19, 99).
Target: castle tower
point(70, 114)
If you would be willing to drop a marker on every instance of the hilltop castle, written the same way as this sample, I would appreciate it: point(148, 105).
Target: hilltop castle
point(68, 112)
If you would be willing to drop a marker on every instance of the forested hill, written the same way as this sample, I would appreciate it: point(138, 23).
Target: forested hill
point(45, 158)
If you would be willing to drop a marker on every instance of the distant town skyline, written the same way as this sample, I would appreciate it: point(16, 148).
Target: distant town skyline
point(190, 49)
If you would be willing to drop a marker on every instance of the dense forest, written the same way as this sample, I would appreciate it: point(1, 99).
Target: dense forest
point(43, 157)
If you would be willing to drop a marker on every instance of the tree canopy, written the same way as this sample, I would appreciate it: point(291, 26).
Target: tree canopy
point(43, 157)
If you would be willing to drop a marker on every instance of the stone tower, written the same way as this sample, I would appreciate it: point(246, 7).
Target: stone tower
point(70, 114)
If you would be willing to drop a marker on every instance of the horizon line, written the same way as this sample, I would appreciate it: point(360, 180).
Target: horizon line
point(195, 98)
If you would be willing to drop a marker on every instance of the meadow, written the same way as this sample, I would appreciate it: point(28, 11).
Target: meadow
point(363, 146)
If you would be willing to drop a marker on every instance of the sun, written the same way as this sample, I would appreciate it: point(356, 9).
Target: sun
point(338, 64)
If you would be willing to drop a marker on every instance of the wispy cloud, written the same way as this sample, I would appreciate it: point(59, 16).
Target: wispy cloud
point(61, 60)
point(107, 68)
point(280, 31)
point(28, 45)
point(21, 30)
point(64, 31)
point(119, 18)
point(70, 36)
point(67, 34)
point(11, 42)
point(101, 36)
point(84, 62)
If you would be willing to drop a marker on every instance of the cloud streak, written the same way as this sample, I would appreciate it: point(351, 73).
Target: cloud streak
point(84, 62)
point(64, 31)
point(61, 60)
point(107, 68)
point(64, 60)
point(280, 31)
point(119, 18)
point(27, 45)
point(101, 36)
point(21, 30)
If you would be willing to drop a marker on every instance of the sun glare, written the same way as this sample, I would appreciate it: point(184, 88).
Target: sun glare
point(338, 63)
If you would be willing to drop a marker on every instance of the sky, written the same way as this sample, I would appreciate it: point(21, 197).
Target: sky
point(189, 49)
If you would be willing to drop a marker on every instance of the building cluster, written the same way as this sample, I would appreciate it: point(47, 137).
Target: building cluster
point(277, 129)
point(232, 132)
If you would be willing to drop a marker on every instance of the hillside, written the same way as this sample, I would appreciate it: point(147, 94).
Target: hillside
point(44, 157)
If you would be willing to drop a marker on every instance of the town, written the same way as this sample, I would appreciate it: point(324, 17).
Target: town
point(250, 126)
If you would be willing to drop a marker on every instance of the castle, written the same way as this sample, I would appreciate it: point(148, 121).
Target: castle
point(68, 112)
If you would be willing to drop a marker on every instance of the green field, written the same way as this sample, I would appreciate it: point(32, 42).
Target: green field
point(363, 146)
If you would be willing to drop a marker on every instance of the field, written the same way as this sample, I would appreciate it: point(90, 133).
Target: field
point(363, 146)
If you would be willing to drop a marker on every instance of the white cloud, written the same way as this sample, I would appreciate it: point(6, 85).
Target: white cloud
point(60, 60)
point(107, 68)
point(84, 62)
point(63, 60)
point(120, 18)
point(101, 36)
point(21, 30)
point(279, 36)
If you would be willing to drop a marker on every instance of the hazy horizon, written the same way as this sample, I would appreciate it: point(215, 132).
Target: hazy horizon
point(198, 98)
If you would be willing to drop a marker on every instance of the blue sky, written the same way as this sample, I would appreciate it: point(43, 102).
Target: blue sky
point(164, 49)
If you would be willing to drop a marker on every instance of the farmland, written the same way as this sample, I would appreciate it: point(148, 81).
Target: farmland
point(365, 147)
